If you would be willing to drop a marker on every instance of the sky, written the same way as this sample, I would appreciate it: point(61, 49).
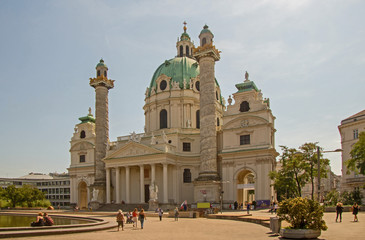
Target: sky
point(307, 56)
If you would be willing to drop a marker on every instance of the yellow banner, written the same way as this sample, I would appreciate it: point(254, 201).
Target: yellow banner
point(203, 205)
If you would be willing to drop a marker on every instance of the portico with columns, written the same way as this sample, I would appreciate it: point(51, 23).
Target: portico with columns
point(132, 168)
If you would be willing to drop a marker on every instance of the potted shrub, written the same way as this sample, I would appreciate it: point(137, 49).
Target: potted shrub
point(304, 216)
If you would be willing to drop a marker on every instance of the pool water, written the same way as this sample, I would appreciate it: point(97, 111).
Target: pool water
point(25, 221)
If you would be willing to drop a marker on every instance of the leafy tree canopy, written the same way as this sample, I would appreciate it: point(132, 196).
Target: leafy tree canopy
point(357, 161)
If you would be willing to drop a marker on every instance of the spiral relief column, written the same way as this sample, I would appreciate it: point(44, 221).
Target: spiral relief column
point(102, 85)
point(206, 186)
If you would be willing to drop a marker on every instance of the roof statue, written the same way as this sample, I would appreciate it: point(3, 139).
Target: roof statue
point(246, 77)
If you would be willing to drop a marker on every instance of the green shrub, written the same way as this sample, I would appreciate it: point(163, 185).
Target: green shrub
point(349, 198)
point(302, 213)
point(4, 203)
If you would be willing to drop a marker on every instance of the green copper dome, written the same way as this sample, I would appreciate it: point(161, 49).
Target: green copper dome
point(88, 118)
point(178, 69)
point(101, 64)
point(206, 30)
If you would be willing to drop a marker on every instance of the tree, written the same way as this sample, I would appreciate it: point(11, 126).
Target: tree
point(292, 176)
point(310, 156)
point(297, 169)
point(357, 161)
point(26, 194)
point(31, 194)
point(13, 194)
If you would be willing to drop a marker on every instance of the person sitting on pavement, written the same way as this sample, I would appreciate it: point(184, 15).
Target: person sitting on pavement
point(39, 221)
point(48, 221)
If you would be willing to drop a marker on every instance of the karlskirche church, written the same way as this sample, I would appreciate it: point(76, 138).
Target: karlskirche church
point(194, 148)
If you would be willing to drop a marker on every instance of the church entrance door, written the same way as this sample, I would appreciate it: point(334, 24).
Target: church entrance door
point(146, 193)
point(245, 187)
point(82, 195)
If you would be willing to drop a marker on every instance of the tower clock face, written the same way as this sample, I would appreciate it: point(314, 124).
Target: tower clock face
point(163, 85)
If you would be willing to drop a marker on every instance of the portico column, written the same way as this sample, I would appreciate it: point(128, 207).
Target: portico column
point(107, 185)
point(117, 185)
point(153, 173)
point(165, 195)
point(128, 200)
point(141, 179)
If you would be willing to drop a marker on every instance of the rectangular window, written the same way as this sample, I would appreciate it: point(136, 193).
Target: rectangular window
point(82, 158)
point(356, 134)
point(186, 147)
point(244, 139)
point(187, 176)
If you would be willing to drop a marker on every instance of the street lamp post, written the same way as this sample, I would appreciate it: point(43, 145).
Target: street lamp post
point(221, 193)
point(319, 172)
point(319, 169)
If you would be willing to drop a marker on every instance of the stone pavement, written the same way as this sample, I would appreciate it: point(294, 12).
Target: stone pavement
point(204, 229)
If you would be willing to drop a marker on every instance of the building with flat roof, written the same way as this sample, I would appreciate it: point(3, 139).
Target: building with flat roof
point(56, 186)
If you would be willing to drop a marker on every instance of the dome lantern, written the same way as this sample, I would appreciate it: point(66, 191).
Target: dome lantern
point(184, 45)
point(101, 69)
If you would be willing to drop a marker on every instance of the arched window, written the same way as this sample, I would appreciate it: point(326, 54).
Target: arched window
point(98, 73)
point(104, 73)
point(187, 175)
point(181, 51)
point(163, 119)
point(218, 122)
point(245, 106)
point(82, 134)
point(198, 119)
point(187, 50)
point(204, 41)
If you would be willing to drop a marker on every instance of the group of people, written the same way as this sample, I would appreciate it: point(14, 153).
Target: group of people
point(273, 207)
point(239, 206)
point(42, 220)
point(339, 210)
point(135, 217)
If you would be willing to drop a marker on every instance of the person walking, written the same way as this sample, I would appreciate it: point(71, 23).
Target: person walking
point(355, 211)
point(160, 213)
point(176, 211)
point(134, 218)
point(339, 210)
point(248, 208)
point(120, 219)
point(142, 217)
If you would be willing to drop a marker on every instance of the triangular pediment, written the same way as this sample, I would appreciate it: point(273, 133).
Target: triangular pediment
point(132, 149)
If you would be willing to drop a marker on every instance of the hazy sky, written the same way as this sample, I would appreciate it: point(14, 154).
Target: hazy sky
point(308, 57)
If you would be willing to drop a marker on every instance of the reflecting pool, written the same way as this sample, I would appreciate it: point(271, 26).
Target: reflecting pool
point(25, 221)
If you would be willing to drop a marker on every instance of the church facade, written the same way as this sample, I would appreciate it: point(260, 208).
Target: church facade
point(194, 147)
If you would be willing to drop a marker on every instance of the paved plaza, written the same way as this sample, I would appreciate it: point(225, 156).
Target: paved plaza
point(204, 229)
